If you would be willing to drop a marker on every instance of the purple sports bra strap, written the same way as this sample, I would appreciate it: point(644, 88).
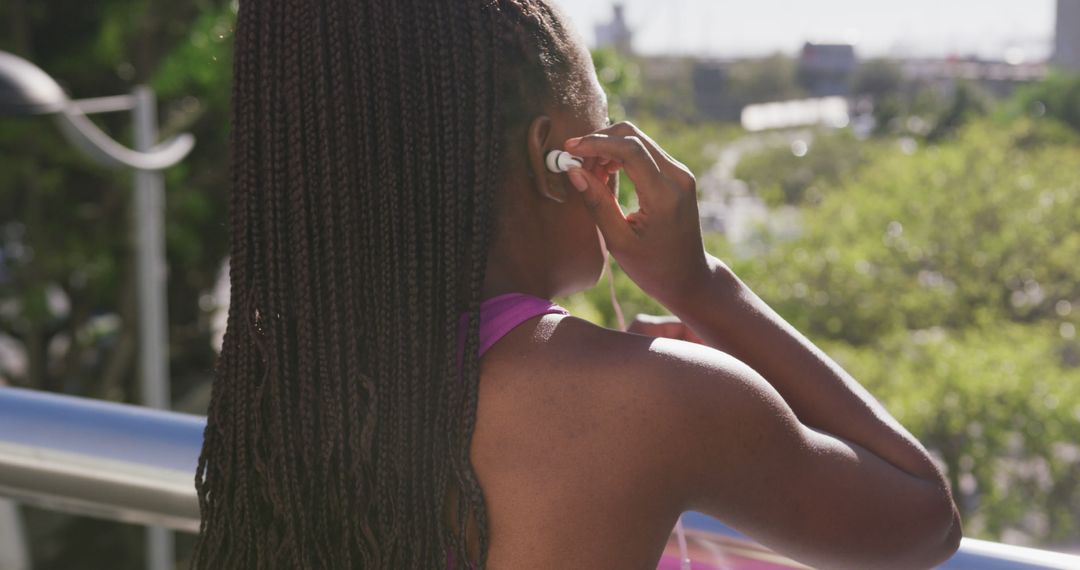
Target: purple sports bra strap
point(500, 314)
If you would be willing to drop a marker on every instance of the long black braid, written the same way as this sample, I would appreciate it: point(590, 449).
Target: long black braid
point(369, 141)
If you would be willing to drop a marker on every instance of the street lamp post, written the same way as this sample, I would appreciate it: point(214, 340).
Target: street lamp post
point(26, 89)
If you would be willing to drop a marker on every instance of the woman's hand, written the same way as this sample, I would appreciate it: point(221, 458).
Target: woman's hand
point(659, 246)
point(664, 327)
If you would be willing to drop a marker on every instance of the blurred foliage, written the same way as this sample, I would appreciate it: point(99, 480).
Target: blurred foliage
point(687, 90)
point(773, 78)
point(878, 78)
point(67, 295)
point(66, 273)
point(979, 231)
point(620, 77)
point(905, 106)
point(670, 94)
point(1057, 98)
point(882, 80)
point(780, 176)
point(967, 103)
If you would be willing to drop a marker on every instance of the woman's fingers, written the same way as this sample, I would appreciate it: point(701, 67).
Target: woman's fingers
point(667, 164)
point(604, 208)
point(654, 325)
point(629, 151)
point(659, 246)
point(600, 168)
point(651, 168)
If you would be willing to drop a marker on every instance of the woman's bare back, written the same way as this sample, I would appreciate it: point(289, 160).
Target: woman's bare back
point(565, 449)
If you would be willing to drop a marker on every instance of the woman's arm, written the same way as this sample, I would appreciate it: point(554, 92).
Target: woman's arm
point(729, 316)
point(660, 248)
point(723, 441)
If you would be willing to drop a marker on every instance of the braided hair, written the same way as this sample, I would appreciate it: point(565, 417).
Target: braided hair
point(369, 139)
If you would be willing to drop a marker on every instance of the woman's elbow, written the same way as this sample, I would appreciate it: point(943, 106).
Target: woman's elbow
point(944, 531)
point(932, 534)
point(927, 534)
point(952, 538)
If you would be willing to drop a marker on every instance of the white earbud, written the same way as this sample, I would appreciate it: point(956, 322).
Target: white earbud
point(562, 161)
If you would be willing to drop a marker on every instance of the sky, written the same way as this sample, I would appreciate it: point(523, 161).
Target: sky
point(1019, 29)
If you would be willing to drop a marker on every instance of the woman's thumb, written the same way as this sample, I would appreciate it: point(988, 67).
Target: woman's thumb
point(602, 206)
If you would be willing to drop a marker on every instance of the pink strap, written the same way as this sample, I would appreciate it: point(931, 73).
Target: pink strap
point(500, 314)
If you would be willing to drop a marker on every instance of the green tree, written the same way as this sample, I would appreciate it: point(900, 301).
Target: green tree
point(66, 275)
point(782, 177)
point(968, 102)
point(1057, 97)
point(882, 80)
point(878, 78)
point(620, 77)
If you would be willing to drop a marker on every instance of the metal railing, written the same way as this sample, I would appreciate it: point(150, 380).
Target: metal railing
point(133, 464)
point(102, 459)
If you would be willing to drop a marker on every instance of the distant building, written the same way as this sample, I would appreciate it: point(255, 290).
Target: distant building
point(616, 33)
point(825, 69)
point(1067, 43)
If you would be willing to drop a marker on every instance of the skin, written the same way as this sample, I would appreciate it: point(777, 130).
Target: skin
point(546, 243)
point(590, 442)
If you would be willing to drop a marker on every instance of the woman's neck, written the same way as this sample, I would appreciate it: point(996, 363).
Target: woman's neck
point(499, 281)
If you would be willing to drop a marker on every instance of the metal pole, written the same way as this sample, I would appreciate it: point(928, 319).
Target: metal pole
point(14, 553)
point(149, 225)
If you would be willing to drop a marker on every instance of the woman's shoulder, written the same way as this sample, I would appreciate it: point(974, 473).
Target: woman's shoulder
point(567, 388)
point(569, 351)
point(556, 351)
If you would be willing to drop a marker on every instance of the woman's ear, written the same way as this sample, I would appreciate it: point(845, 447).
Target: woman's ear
point(540, 142)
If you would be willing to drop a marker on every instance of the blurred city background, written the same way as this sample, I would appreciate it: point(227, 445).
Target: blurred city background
point(900, 180)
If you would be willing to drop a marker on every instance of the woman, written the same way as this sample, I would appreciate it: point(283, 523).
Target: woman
point(390, 186)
